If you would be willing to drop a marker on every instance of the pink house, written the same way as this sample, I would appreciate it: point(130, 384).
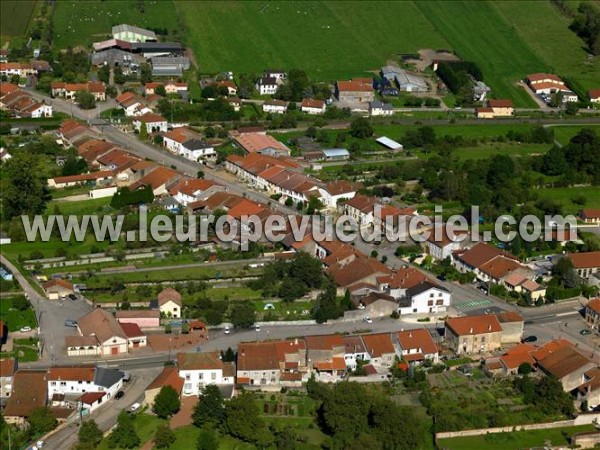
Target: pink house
point(143, 318)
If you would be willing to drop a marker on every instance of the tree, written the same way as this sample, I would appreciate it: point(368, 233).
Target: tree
point(104, 74)
point(244, 422)
point(41, 420)
point(525, 368)
point(564, 273)
point(24, 186)
point(145, 73)
point(210, 407)
point(124, 434)
point(160, 90)
point(571, 108)
point(20, 302)
point(243, 315)
point(143, 132)
point(166, 402)
point(74, 165)
point(345, 411)
point(361, 128)
point(207, 439)
point(89, 436)
point(164, 436)
point(85, 100)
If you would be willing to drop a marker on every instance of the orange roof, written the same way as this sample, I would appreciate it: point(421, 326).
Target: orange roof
point(188, 186)
point(594, 94)
point(585, 260)
point(563, 361)
point(30, 391)
point(58, 281)
point(534, 77)
point(181, 134)
point(324, 342)
point(256, 142)
point(484, 109)
point(266, 355)
point(548, 85)
point(504, 103)
point(509, 316)
point(7, 88)
point(378, 344)
point(75, 373)
point(549, 348)
point(518, 355)
point(499, 267)
point(339, 187)
point(481, 253)
point(594, 305)
point(168, 377)
point(336, 363)
point(357, 270)
point(159, 176)
point(418, 339)
point(312, 103)
point(357, 85)
point(403, 278)
point(590, 213)
point(447, 235)
point(245, 208)
point(83, 177)
point(150, 117)
point(132, 330)
point(363, 203)
point(90, 398)
point(463, 326)
point(169, 294)
point(7, 366)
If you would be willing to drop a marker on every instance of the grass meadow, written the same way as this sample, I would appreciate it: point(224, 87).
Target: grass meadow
point(15, 16)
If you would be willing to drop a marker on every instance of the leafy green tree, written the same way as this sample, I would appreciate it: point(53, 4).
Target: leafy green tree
point(210, 407)
point(525, 368)
point(326, 306)
point(571, 108)
point(361, 128)
point(89, 436)
point(243, 421)
point(164, 436)
point(85, 100)
point(564, 274)
point(345, 411)
point(104, 74)
point(74, 165)
point(145, 73)
point(20, 302)
point(143, 132)
point(207, 439)
point(124, 434)
point(41, 420)
point(291, 289)
point(243, 315)
point(166, 402)
point(24, 186)
point(160, 90)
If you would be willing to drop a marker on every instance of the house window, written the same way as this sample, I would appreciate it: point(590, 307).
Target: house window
point(431, 295)
point(53, 383)
point(63, 383)
point(430, 303)
point(439, 302)
point(187, 378)
point(201, 376)
point(213, 376)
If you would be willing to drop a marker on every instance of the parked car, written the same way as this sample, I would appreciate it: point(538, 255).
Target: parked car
point(585, 332)
point(367, 319)
point(71, 323)
point(226, 330)
point(126, 377)
point(72, 296)
point(119, 394)
point(134, 407)
point(257, 327)
point(25, 329)
point(530, 339)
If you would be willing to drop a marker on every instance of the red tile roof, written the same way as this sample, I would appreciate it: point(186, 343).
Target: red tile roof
point(418, 339)
point(169, 294)
point(504, 103)
point(336, 363)
point(585, 260)
point(594, 305)
point(132, 330)
point(463, 326)
point(102, 174)
point(518, 355)
point(245, 208)
point(7, 367)
point(266, 355)
point(189, 186)
point(594, 94)
point(357, 270)
point(564, 361)
point(403, 278)
point(357, 85)
point(324, 342)
point(30, 391)
point(363, 203)
point(58, 282)
point(590, 213)
point(509, 316)
point(536, 77)
point(481, 253)
point(340, 187)
point(312, 103)
point(150, 117)
point(158, 177)
point(71, 373)
point(168, 377)
point(89, 398)
point(378, 344)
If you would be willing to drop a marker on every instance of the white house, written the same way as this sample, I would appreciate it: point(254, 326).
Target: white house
point(8, 367)
point(335, 191)
point(442, 242)
point(417, 346)
point(378, 108)
point(77, 380)
point(198, 370)
point(361, 208)
point(100, 334)
point(278, 74)
point(154, 123)
point(425, 298)
point(275, 106)
point(267, 85)
point(130, 103)
point(188, 144)
point(355, 351)
point(312, 106)
point(169, 303)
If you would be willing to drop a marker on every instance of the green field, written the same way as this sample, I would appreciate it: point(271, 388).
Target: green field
point(565, 197)
point(15, 16)
point(77, 23)
point(564, 133)
point(13, 318)
point(516, 439)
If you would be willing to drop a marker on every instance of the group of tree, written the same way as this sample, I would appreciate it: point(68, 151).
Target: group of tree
point(73, 165)
point(24, 186)
point(217, 110)
point(327, 306)
point(125, 197)
point(546, 394)
point(457, 75)
point(357, 418)
point(124, 435)
point(290, 280)
point(298, 86)
point(587, 26)
point(89, 436)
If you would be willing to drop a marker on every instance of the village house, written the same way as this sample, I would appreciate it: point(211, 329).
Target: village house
point(69, 90)
point(20, 104)
point(275, 106)
point(227, 84)
point(168, 303)
point(154, 123)
point(57, 288)
point(488, 263)
point(169, 376)
point(501, 107)
point(360, 269)
point(512, 327)
point(590, 215)
point(267, 85)
point(29, 391)
point(592, 313)
point(312, 106)
point(594, 95)
point(23, 70)
point(159, 178)
point(515, 357)
point(442, 242)
point(143, 318)
point(361, 208)
point(336, 191)
point(380, 348)
point(484, 112)
point(426, 297)
point(188, 190)
point(519, 283)
point(189, 144)
point(235, 103)
point(261, 143)
point(131, 104)
point(326, 357)
point(358, 90)
point(589, 391)
point(72, 381)
point(585, 264)
point(562, 360)
point(378, 108)
point(171, 88)
point(198, 370)
point(417, 345)
point(355, 351)
point(272, 363)
point(99, 334)
point(473, 334)
point(8, 367)
point(103, 177)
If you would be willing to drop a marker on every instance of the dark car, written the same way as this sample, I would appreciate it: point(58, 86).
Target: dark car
point(71, 323)
point(530, 339)
point(441, 277)
point(119, 394)
point(72, 296)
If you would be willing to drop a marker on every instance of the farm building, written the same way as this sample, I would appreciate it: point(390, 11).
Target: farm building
point(130, 33)
point(357, 90)
point(336, 154)
point(378, 108)
point(410, 82)
point(389, 143)
point(169, 66)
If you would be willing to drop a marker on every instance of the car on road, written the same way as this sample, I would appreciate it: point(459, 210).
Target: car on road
point(226, 330)
point(126, 377)
point(441, 277)
point(585, 332)
point(72, 296)
point(257, 327)
point(134, 407)
point(25, 329)
point(530, 339)
point(71, 323)
point(367, 319)
point(119, 394)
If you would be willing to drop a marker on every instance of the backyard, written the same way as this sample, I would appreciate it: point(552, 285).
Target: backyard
point(14, 318)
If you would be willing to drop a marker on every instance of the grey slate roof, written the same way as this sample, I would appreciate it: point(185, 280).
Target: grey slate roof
point(107, 377)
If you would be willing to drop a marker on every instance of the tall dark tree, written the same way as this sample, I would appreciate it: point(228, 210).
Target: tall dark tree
point(361, 128)
point(244, 422)
point(89, 436)
point(24, 186)
point(124, 434)
point(210, 408)
point(164, 436)
point(166, 402)
point(85, 100)
point(207, 439)
point(41, 420)
point(242, 315)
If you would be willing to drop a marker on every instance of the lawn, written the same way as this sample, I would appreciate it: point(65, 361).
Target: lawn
point(15, 16)
point(74, 25)
point(564, 133)
point(26, 350)
point(515, 439)
point(565, 197)
point(500, 148)
point(145, 425)
point(13, 318)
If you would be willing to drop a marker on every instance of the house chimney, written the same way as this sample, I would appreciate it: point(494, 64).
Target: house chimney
point(471, 330)
point(410, 335)
point(489, 328)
